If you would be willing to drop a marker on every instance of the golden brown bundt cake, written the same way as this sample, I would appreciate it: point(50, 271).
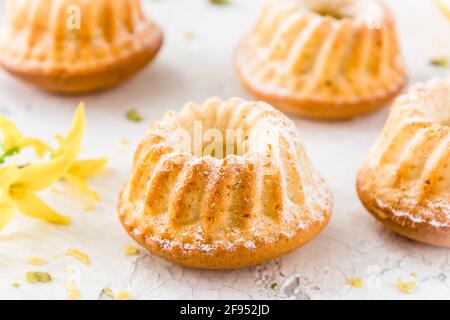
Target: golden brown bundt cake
point(325, 59)
point(74, 46)
point(405, 183)
point(226, 184)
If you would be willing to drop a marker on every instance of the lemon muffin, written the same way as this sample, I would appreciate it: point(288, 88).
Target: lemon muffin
point(75, 46)
point(325, 59)
point(405, 183)
point(251, 197)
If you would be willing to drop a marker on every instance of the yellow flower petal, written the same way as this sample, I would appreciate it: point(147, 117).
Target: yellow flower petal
point(7, 211)
point(40, 176)
point(40, 147)
point(32, 206)
point(8, 175)
point(70, 145)
point(13, 139)
point(10, 133)
point(81, 185)
point(86, 168)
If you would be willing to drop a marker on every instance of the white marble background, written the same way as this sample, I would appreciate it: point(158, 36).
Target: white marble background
point(353, 246)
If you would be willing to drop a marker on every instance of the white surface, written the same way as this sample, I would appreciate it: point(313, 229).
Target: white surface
point(353, 245)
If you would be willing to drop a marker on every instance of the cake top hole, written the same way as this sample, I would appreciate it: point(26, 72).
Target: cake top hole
point(336, 9)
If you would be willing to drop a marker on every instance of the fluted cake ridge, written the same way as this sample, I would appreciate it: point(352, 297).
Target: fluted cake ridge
point(407, 175)
point(180, 204)
point(323, 59)
point(72, 46)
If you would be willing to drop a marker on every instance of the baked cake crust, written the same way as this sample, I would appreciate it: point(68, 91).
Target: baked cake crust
point(97, 55)
point(222, 213)
point(304, 58)
point(405, 183)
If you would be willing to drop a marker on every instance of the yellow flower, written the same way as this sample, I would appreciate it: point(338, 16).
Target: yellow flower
point(14, 141)
point(19, 185)
point(18, 188)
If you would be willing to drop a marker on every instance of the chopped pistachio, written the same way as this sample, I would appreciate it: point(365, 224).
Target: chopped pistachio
point(440, 62)
point(355, 282)
point(108, 292)
point(131, 251)
point(36, 276)
point(274, 286)
point(83, 257)
point(9, 153)
point(220, 1)
point(134, 115)
point(35, 261)
point(405, 287)
point(123, 295)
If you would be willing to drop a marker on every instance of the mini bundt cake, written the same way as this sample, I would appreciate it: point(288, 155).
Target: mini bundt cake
point(324, 59)
point(251, 197)
point(76, 46)
point(405, 183)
